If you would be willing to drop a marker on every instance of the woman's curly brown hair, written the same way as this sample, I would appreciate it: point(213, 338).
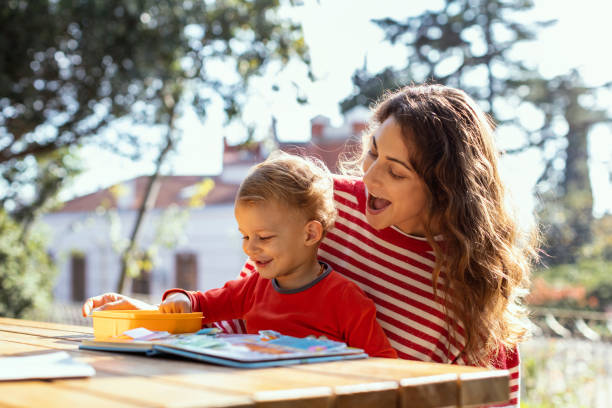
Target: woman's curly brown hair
point(482, 260)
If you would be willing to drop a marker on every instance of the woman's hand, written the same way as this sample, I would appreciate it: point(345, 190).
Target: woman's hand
point(113, 301)
point(176, 302)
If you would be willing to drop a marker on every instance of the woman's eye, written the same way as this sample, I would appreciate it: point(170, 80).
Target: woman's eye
point(372, 153)
point(245, 238)
point(395, 176)
point(265, 238)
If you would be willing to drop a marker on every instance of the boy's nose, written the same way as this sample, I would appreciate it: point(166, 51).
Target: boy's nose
point(250, 248)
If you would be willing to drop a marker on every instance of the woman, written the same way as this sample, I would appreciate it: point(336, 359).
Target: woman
point(425, 233)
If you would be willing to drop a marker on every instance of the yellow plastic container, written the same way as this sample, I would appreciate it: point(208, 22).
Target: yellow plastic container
point(109, 323)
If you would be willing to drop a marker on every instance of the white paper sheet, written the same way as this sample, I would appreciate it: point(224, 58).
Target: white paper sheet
point(48, 365)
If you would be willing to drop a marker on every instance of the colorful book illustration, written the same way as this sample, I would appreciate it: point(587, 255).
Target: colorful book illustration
point(266, 349)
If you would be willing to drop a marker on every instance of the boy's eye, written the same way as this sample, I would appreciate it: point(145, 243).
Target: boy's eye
point(246, 238)
point(372, 153)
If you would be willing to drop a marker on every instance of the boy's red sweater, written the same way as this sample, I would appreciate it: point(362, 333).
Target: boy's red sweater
point(331, 306)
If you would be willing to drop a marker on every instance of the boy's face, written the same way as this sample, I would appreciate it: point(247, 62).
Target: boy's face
point(277, 239)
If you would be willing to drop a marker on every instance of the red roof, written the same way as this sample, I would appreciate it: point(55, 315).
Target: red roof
point(171, 192)
point(328, 151)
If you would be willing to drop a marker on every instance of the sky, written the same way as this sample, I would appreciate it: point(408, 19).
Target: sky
point(341, 37)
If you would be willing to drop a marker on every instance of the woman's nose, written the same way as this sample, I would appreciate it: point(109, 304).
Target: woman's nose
point(371, 175)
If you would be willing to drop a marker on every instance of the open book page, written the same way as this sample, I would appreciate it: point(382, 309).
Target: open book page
point(257, 347)
point(230, 349)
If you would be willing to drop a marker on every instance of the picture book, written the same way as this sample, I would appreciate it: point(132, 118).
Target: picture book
point(266, 349)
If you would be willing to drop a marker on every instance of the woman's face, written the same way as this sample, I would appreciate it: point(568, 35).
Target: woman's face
point(396, 193)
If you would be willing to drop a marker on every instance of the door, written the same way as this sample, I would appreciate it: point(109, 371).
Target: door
point(186, 267)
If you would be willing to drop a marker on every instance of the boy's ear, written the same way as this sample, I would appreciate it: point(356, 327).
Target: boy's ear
point(313, 232)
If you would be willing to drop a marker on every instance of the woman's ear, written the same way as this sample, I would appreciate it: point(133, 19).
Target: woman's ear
point(313, 232)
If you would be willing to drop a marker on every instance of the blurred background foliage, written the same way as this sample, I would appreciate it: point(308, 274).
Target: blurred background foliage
point(69, 69)
point(26, 271)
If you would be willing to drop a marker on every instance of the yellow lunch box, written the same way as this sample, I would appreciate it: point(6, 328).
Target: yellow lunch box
point(109, 323)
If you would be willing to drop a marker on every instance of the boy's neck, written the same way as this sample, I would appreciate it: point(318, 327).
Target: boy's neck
point(312, 269)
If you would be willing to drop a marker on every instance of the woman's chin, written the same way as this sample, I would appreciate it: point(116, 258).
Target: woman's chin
point(376, 222)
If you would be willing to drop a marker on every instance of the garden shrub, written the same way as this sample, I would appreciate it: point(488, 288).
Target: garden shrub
point(26, 271)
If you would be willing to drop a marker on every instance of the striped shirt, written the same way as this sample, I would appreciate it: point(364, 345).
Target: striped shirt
point(395, 270)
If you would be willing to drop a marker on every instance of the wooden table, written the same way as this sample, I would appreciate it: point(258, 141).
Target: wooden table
point(137, 381)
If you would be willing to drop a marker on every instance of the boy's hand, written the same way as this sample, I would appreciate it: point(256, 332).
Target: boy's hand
point(113, 301)
point(176, 302)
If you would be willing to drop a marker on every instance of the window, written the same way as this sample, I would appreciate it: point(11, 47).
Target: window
point(186, 267)
point(78, 266)
point(142, 283)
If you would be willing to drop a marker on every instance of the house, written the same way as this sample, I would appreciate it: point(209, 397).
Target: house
point(88, 232)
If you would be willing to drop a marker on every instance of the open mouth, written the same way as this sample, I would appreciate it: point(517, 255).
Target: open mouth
point(261, 264)
point(377, 204)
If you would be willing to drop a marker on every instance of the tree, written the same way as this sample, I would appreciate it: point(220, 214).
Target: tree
point(566, 205)
point(467, 44)
point(70, 69)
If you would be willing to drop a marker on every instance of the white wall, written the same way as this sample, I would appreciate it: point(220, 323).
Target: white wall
point(211, 233)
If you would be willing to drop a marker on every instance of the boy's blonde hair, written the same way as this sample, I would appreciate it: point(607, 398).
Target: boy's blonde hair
point(303, 184)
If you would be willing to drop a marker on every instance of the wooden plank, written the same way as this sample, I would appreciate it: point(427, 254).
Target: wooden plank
point(372, 394)
point(45, 332)
point(46, 394)
point(281, 386)
point(269, 387)
point(384, 368)
point(484, 388)
point(315, 397)
point(439, 390)
point(146, 391)
point(259, 380)
point(48, 342)
point(425, 384)
point(9, 348)
point(420, 383)
point(46, 325)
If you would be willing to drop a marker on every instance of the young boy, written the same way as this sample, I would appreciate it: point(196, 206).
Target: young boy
point(284, 208)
